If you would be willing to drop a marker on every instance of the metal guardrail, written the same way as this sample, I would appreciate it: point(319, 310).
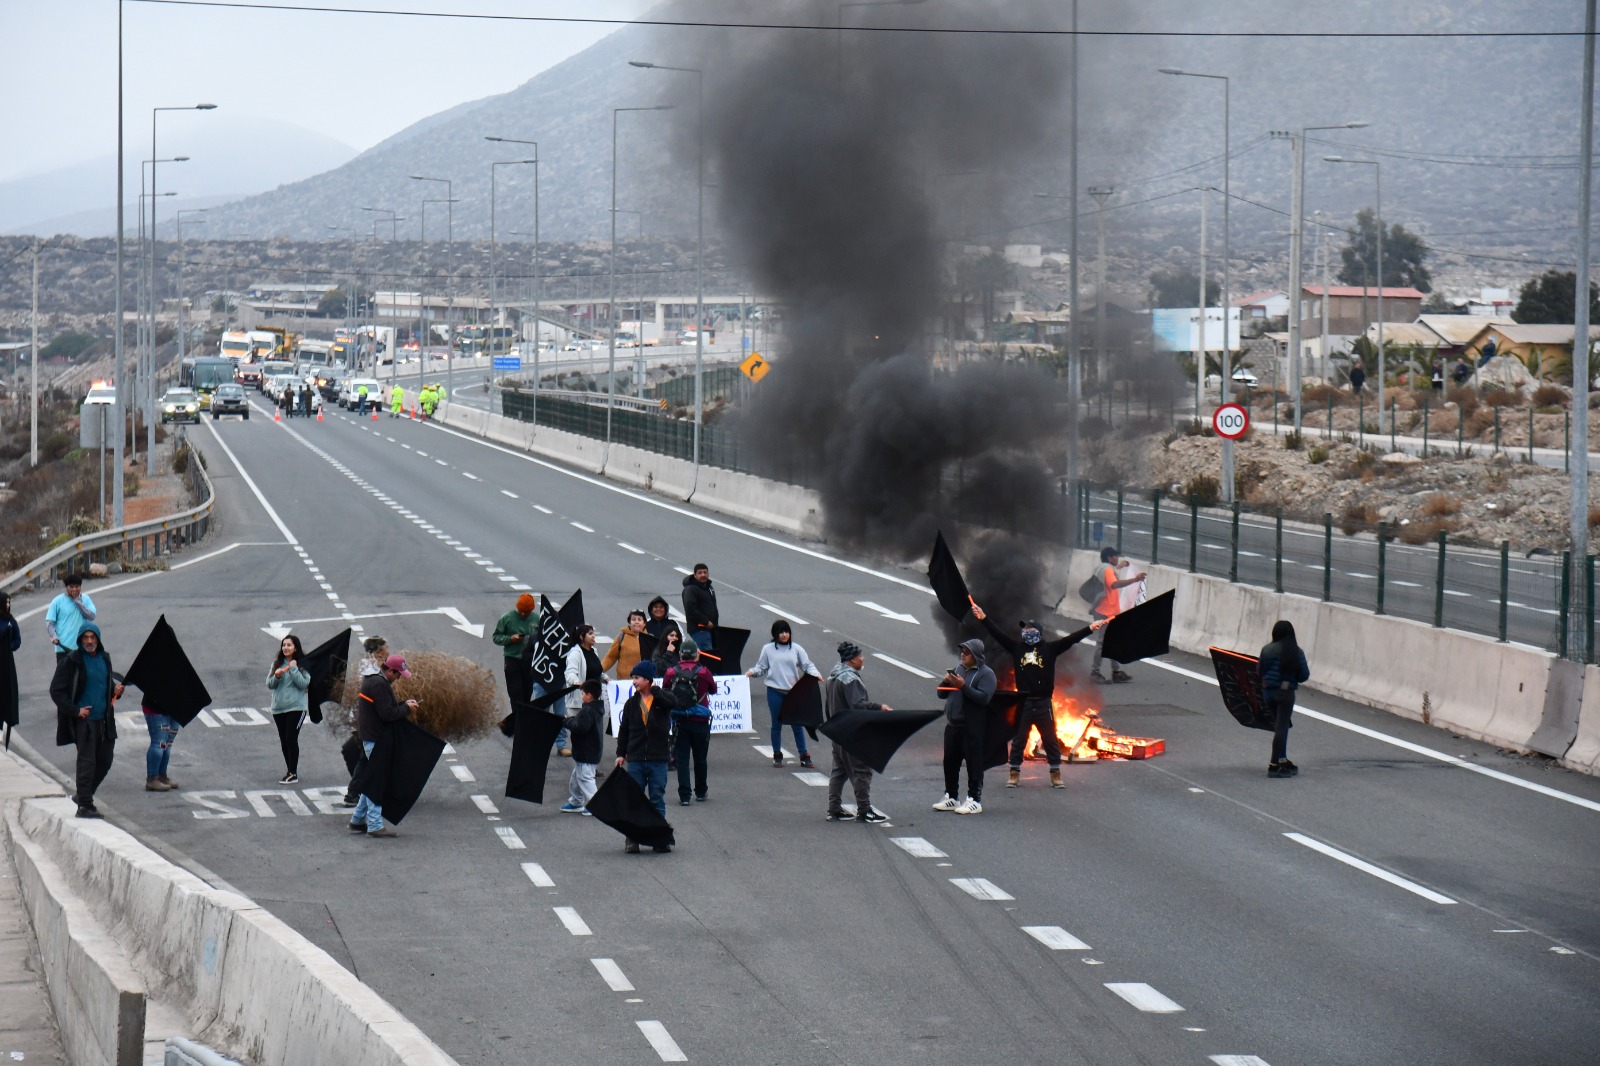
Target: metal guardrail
point(157, 537)
point(597, 399)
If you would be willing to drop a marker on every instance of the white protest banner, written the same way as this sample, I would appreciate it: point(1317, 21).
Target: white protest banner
point(730, 704)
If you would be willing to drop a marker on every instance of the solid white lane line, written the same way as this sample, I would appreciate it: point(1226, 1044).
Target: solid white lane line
point(485, 804)
point(612, 975)
point(781, 613)
point(1144, 997)
point(907, 667)
point(580, 525)
point(508, 492)
point(1239, 1060)
point(542, 510)
point(629, 547)
point(662, 1041)
point(1055, 938)
point(259, 495)
point(1366, 867)
point(981, 888)
point(812, 778)
point(575, 925)
point(917, 847)
point(462, 773)
point(509, 838)
point(537, 875)
point(1404, 745)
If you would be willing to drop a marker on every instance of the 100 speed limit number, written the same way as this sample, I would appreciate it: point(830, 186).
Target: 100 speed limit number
point(1231, 421)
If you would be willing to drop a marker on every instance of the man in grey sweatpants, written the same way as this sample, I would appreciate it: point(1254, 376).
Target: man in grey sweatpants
point(845, 692)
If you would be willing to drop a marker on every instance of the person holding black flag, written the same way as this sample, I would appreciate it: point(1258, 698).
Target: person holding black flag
point(966, 690)
point(642, 743)
point(1034, 663)
point(376, 710)
point(843, 692)
point(1283, 670)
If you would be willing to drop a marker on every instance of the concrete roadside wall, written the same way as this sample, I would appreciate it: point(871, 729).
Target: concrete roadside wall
point(244, 979)
point(97, 995)
point(1470, 685)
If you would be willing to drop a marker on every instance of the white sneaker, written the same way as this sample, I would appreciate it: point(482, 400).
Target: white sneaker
point(972, 806)
point(949, 803)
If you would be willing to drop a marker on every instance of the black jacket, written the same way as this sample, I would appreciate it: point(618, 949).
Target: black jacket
point(584, 729)
point(658, 627)
point(376, 707)
point(1035, 664)
point(699, 603)
point(66, 689)
point(644, 741)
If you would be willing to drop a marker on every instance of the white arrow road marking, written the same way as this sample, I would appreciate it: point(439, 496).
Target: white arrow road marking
point(280, 628)
point(461, 622)
point(881, 609)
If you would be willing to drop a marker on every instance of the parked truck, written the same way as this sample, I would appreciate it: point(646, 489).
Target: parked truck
point(638, 334)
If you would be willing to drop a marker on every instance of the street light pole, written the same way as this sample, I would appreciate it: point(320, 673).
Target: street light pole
point(144, 355)
point(493, 262)
point(185, 211)
point(449, 280)
point(1377, 173)
point(538, 277)
point(1227, 265)
point(1100, 194)
point(1579, 460)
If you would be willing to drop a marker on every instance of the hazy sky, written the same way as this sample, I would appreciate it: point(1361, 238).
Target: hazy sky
point(356, 78)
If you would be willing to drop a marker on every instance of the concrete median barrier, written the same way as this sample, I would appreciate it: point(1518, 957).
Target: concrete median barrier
point(98, 997)
point(1584, 753)
point(243, 979)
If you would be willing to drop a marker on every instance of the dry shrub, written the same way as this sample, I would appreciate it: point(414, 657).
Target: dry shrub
point(1426, 530)
point(1594, 515)
point(1480, 422)
point(1502, 398)
point(1441, 423)
point(1465, 399)
point(1357, 517)
point(1318, 395)
point(1439, 504)
point(1549, 396)
point(458, 700)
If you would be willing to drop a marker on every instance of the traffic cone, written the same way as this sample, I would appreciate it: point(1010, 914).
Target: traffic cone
point(277, 414)
point(411, 412)
point(319, 414)
point(374, 414)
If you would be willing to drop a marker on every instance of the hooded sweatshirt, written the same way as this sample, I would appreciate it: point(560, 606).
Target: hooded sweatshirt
point(977, 686)
point(845, 692)
point(699, 603)
point(783, 664)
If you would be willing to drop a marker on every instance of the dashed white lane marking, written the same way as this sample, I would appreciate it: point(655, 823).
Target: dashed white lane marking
point(407, 447)
point(1407, 584)
point(981, 888)
point(812, 778)
point(662, 1041)
point(485, 804)
point(580, 525)
point(629, 547)
point(542, 510)
point(491, 569)
point(683, 570)
point(508, 492)
point(1143, 997)
point(767, 751)
point(575, 924)
point(422, 453)
point(907, 667)
point(441, 462)
point(1055, 938)
point(1239, 1060)
point(917, 847)
point(462, 773)
point(612, 975)
point(474, 477)
point(1366, 867)
point(508, 837)
point(522, 588)
point(537, 875)
point(781, 613)
point(508, 578)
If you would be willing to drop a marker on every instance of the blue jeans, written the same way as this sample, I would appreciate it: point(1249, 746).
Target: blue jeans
point(775, 705)
point(702, 639)
point(366, 810)
point(651, 775)
point(163, 731)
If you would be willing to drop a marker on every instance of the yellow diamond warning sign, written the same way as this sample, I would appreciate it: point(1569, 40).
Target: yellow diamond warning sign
point(755, 367)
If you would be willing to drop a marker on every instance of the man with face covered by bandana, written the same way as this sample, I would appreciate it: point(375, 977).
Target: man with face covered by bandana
point(1034, 661)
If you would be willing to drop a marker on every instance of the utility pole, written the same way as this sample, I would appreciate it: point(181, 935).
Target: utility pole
point(1074, 370)
point(1101, 194)
point(1577, 585)
point(33, 365)
point(1200, 331)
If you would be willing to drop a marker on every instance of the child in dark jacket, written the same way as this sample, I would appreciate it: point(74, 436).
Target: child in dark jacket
point(585, 729)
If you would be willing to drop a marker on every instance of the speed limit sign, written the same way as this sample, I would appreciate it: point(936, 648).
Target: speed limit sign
point(1230, 421)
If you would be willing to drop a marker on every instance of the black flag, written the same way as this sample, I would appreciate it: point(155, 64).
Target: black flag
point(874, 736)
point(621, 804)
point(1139, 632)
point(727, 648)
point(1239, 678)
point(326, 663)
point(164, 674)
point(999, 727)
point(945, 577)
point(551, 644)
point(802, 705)
point(534, 733)
point(401, 763)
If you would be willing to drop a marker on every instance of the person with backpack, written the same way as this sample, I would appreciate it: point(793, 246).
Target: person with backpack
point(1283, 670)
point(688, 687)
point(783, 662)
point(1106, 605)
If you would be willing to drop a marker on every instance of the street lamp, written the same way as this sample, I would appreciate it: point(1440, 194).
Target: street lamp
point(1227, 269)
point(144, 353)
point(449, 279)
point(394, 223)
point(422, 329)
point(1296, 248)
point(143, 360)
point(196, 222)
point(1377, 172)
point(493, 266)
point(611, 302)
point(699, 243)
point(538, 277)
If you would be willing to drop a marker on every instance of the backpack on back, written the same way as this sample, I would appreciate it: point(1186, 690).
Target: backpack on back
point(683, 691)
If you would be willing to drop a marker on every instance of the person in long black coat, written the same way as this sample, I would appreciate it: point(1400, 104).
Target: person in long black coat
point(10, 641)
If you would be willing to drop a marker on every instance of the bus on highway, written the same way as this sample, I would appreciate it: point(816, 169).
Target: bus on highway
point(484, 340)
point(204, 373)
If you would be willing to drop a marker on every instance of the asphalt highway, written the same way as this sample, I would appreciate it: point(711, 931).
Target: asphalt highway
point(1410, 898)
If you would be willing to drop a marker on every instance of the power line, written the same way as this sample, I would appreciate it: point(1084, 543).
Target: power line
point(985, 31)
